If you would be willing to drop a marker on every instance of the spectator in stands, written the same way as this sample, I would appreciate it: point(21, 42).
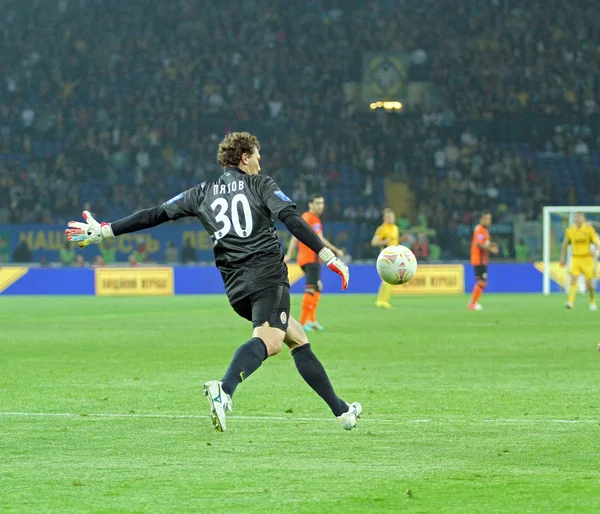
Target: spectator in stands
point(188, 253)
point(522, 252)
point(4, 247)
point(581, 148)
point(439, 158)
point(22, 253)
point(421, 247)
point(108, 251)
point(300, 192)
point(369, 188)
point(451, 151)
point(468, 140)
point(79, 261)
point(335, 212)
point(140, 254)
point(67, 254)
point(171, 253)
point(350, 213)
point(372, 213)
point(151, 115)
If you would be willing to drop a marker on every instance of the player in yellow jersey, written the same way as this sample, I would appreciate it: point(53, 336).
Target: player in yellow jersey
point(387, 234)
point(581, 236)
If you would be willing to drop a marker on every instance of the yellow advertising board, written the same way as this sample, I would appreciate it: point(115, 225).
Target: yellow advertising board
point(134, 281)
point(434, 279)
point(9, 275)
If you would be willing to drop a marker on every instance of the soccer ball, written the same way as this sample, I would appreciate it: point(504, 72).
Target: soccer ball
point(396, 265)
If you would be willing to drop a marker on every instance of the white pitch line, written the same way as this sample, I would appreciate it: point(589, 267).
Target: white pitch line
point(283, 418)
point(540, 421)
point(176, 416)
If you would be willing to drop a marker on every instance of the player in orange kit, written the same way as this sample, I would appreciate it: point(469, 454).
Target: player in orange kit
point(311, 264)
point(481, 247)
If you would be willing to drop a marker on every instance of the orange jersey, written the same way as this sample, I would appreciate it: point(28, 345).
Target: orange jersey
point(305, 254)
point(480, 257)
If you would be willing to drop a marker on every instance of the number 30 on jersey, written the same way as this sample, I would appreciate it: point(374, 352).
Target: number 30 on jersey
point(220, 207)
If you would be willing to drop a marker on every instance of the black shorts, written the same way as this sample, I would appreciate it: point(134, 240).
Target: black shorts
point(481, 272)
point(312, 271)
point(271, 304)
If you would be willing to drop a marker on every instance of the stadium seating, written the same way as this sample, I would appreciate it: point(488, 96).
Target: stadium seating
point(89, 127)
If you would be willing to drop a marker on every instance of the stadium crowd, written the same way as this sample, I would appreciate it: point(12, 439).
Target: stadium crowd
point(115, 106)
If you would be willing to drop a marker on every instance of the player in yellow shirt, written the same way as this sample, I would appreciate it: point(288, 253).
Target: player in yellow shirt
point(581, 236)
point(387, 234)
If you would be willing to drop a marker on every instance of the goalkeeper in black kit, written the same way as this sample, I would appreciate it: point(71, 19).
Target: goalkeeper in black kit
point(238, 210)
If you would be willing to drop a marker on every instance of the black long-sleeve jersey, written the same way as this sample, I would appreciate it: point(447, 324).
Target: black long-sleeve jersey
point(237, 210)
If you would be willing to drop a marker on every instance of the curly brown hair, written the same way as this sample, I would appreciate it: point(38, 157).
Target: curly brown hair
point(233, 146)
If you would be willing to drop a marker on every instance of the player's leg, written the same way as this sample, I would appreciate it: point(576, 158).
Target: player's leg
point(592, 293)
point(219, 400)
point(478, 288)
point(589, 282)
point(314, 374)
point(308, 301)
point(269, 312)
point(572, 290)
point(384, 295)
point(318, 289)
point(574, 273)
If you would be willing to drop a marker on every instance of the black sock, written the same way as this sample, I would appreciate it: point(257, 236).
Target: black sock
point(246, 360)
point(313, 373)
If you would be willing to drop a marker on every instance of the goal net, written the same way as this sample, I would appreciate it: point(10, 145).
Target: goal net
point(555, 221)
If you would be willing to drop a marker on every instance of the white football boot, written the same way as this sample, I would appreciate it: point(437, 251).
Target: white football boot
point(220, 403)
point(348, 419)
point(593, 306)
point(568, 305)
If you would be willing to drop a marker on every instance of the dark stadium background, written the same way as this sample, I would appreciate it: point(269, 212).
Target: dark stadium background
point(118, 106)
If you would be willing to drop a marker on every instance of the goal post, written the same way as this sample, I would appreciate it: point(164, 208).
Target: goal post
point(554, 222)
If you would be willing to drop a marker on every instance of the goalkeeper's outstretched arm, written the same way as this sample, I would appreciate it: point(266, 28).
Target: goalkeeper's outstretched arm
point(92, 232)
point(184, 204)
point(146, 218)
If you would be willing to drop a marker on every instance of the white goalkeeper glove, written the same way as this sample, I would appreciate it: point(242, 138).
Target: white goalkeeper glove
point(336, 265)
point(89, 232)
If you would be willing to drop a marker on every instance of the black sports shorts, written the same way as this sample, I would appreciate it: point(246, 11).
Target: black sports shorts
point(481, 272)
point(312, 272)
point(271, 304)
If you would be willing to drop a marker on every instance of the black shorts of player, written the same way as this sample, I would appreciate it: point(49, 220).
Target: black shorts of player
point(481, 272)
point(271, 304)
point(312, 271)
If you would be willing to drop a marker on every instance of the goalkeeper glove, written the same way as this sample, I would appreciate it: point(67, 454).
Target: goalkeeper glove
point(89, 232)
point(335, 264)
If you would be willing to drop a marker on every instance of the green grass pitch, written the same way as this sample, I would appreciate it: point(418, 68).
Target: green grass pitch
point(494, 411)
